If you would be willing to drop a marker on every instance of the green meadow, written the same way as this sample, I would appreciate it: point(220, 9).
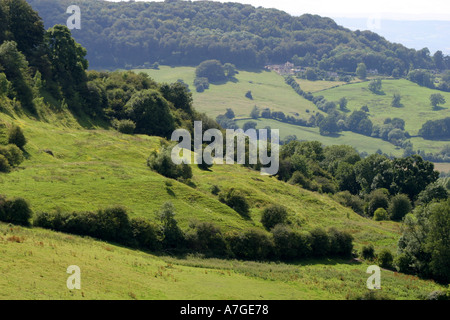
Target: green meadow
point(358, 141)
point(34, 264)
point(416, 108)
point(268, 90)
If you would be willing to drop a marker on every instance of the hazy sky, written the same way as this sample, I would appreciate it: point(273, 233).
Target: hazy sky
point(382, 9)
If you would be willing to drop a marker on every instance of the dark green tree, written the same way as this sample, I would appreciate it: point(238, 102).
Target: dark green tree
point(361, 71)
point(273, 215)
point(436, 100)
point(212, 70)
point(151, 113)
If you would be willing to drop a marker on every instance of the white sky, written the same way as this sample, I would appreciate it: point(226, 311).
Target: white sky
point(383, 9)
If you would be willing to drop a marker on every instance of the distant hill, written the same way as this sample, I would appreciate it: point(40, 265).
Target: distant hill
point(132, 34)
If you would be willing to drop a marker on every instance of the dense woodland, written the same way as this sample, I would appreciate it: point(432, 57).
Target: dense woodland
point(131, 34)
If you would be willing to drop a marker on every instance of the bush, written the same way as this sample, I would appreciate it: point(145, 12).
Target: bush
point(289, 244)
point(13, 154)
point(352, 201)
point(17, 211)
point(273, 215)
point(4, 164)
point(162, 163)
point(368, 252)
point(215, 190)
point(17, 137)
point(208, 239)
point(145, 233)
point(385, 259)
point(403, 263)
point(125, 126)
point(320, 242)
point(201, 84)
point(114, 225)
point(236, 201)
point(172, 236)
point(377, 199)
point(340, 243)
point(210, 69)
point(253, 244)
point(380, 214)
point(399, 206)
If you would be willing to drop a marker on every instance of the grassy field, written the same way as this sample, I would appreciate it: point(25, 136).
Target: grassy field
point(320, 85)
point(360, 142)
point(416, 108)
point(34, 264)
point(268, 90)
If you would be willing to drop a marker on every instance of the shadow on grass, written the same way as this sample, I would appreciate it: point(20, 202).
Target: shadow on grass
point(439, 108)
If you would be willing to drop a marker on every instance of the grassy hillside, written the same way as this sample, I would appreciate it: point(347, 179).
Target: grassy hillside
point(268, 90)
point(98, 168)
point(34, 263)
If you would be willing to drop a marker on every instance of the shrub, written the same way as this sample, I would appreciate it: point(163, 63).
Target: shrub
point(352, 201)
point(210, 69)
point(81, 223)
point(385, 259)
point(201, 84)
point(13, 154)
point(145, 233)
point(289, 244)
point(208, 239)
point(253, 244)
point(368, 252)
point(114, 225)
point(215, 190)
point(17, 137)
point(340, 243)
point(4, 164)
point(17, 211)
point(403, 263)
point(380, 214)
point(300, 179)
point(273, 215)
point(236, 201)
point(172, 236)
point(320, 242)
point(377, 199)
point(162, 163)
point(125, 126)
point(399, 206)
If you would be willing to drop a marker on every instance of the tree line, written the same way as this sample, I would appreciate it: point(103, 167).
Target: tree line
point(132, 34)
